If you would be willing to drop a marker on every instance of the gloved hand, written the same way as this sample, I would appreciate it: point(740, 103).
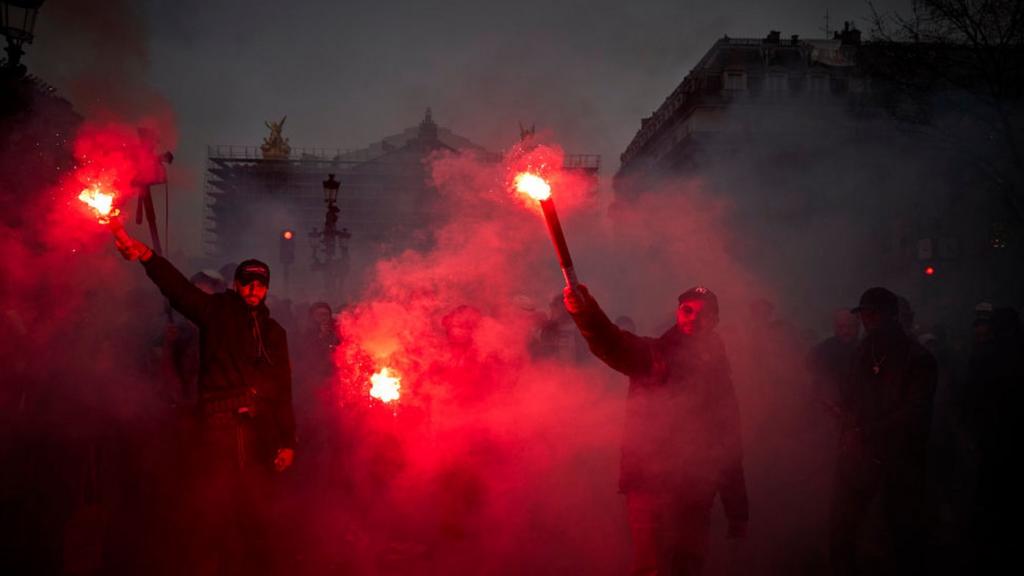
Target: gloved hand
point(576, 300)
point(130, 248)
point(737, 529)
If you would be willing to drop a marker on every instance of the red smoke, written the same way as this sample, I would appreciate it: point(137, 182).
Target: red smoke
point(117, 158)
point(467, 453)
point(569, 188)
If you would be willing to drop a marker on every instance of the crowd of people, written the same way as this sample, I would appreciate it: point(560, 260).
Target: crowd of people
point(881, 449)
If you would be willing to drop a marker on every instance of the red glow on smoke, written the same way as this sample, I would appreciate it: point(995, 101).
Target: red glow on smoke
point(112, 161)
point(535, 172)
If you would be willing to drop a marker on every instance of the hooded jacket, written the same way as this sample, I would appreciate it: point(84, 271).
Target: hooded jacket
point(682, 417)
point(242, 350)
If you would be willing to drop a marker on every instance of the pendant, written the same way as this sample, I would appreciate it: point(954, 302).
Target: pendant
point(876, 369)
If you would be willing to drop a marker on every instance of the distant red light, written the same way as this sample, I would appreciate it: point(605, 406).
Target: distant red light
point(287, 234)
point(929, 271)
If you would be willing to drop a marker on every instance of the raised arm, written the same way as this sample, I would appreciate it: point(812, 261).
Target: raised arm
point(621, 350)
point(184, 296)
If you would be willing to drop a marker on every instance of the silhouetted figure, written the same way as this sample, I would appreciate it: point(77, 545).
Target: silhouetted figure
point(471, 378)
point(829, 361)
point(886, 406)
point(317, 342)
point(247, 426)
point(682, 444)
point(996, 374)
point(557, 339)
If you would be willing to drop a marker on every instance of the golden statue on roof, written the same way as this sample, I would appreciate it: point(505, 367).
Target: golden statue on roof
point(275, 145)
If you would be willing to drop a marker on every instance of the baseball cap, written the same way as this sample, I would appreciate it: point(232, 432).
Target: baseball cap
point(880, 300)
point(701, 293)
point(252, 269)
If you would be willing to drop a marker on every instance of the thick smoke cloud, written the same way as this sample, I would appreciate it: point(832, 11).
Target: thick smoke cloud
point(83, 399)
point(480, 456)
point(513, 467)
point(767, 237)
point(86, 406)
point(554, 426)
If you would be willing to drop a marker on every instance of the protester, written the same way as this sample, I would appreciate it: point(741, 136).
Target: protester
point(829, 361)
point(682, 444)
point(886, 406)
point(247, 426)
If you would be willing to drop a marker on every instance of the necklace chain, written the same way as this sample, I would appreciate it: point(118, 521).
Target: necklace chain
point(876, 362)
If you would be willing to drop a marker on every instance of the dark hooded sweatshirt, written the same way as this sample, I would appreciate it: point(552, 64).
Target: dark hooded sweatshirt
point(242, 350)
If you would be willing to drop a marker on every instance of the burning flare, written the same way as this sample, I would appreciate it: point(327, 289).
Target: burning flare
point(532, 185)
point(100, 201)
point(386, 386)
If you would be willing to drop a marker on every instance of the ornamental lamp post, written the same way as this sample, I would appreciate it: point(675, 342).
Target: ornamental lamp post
point(17, 23)
point(330, 234)
point(331, 187)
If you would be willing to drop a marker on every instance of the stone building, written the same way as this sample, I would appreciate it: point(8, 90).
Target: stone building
point(385, 201)
point(848, 163)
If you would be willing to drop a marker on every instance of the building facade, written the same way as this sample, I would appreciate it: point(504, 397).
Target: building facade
point(385, 201)
point(796, 132)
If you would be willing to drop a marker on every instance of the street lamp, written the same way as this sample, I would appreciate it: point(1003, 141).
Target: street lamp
point(329, 236)
point(331, 187)
point(17, 21)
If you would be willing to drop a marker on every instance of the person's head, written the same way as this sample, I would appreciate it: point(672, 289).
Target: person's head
point(227, 271)
point(208, 281)
point(320, 313)
point(321, 317)
point(845, 325)
point(981, 330)
point(878, 308)
point(982, 325)
point(556, 308)
point(697, 311)
point(460, 324)
point(252, 280)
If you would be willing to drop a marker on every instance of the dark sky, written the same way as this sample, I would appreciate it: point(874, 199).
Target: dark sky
point(349, 73)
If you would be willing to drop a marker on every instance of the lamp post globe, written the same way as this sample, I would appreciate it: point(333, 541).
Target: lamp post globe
point(331, 187)
point(17, 24)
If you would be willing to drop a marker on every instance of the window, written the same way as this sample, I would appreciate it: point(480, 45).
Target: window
point(713, 84)
point(735, 80)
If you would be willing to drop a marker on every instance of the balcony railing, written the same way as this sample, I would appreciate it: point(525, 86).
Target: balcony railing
point(582, 161)
point(233, 152)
